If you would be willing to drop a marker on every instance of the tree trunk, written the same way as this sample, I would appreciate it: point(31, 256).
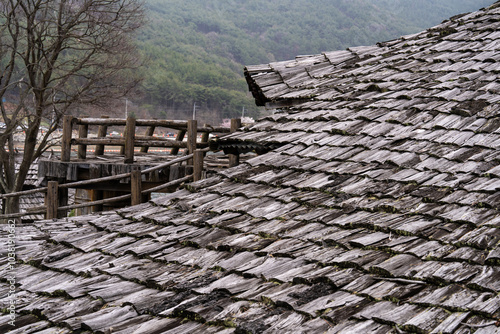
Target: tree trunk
point(11, 205)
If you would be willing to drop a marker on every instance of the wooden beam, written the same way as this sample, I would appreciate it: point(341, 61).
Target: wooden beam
point(83, 130)
point(95, 194)
point(136, 187)
point(234, 159)
point(173, 124)
point(101, 179)
point(101, 133)
point(52, 200)
point(198, 165)
point(62, 201)
point(159, 142)
point(170, 124)
point(169, 184)
point(205, 135)
point(98, 141)
point(94, 203)
point(179, 137)
point(163, 143)
point(129, 140)
point(149, 132)
point(192, 133)
point(66, 138)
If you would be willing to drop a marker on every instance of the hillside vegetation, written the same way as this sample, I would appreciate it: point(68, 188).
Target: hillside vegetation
point(197, 49)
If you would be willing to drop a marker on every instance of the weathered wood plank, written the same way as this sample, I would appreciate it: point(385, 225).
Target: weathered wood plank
point(101, 133)
point(52, 200)
point(192, 133)
point(198, 165)
point(136, 187)
point(83, 130)
point(66, 138)
point(129, 140)
point(178, 138)
point(149, 133)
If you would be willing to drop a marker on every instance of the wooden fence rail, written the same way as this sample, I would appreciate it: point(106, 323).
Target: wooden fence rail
point(51, 209)
point(130, 138)
point(186, 138)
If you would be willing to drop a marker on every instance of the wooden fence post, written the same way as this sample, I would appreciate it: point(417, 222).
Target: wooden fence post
point(192, 132)
point(101, 133)
point(198, 165)
point(83, 130)
point(129, 140)
point(95, 194)
point(66, 138)
point(52, 199)
point(62, 193)
point(205, 136)
point(234, 159)
point(136, 187)
point(149, 132)
point(179, 137)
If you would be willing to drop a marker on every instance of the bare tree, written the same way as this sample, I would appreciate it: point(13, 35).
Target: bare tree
point(55, 55)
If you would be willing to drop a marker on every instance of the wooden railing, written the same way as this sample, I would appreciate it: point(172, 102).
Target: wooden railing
point(51, 208)
point(186, 138)
point(130, 140)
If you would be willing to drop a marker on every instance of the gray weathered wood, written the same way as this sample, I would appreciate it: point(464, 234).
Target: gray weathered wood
point(129, 140)
point(179, 138)
point(149, 132)
point(101, 133)
point(98, 141)
point(139, 142)
point(159, 142)
point(136, 187)
point(66, 138)
point(170, 124)
point(82, 133)
point(52, 200)
point(95, 194)
point(198, 165)
point(234, 159)
point(95, 203)
point(205, 135)
point(191, 137)
point(169, 184)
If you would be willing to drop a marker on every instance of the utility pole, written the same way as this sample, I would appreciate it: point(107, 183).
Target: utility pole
point(126, 108)
point(194, 111)
point(243, 112)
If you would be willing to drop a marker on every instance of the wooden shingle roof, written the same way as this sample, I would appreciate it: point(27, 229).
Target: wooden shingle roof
point(377, 211)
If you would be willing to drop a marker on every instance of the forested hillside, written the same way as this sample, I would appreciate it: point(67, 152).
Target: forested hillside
point(197, 49)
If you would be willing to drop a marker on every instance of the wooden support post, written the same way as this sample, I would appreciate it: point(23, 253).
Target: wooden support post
point(95, 195)
point(66, 138)
point(149, 132)
point(63, 199)
point(234, 159)
point(192, 132)
point(179, 137)
point(52, 199)
point(101, 133)
point(205, 135)
point(83, 130)
point(198, 165)
point(136, 187)
point(129, 140)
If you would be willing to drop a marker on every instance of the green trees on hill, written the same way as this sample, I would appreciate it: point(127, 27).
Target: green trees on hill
point(197, 49)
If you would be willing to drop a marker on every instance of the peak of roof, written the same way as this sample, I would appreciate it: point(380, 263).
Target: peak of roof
point(446, 56)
